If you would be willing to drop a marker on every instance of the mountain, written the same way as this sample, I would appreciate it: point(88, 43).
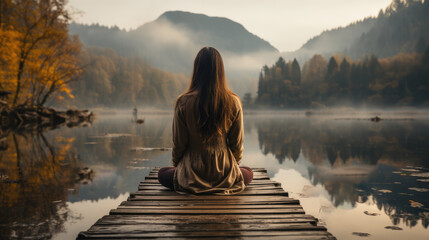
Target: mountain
point(172, 41)
point(332, 41)
point(401, 28)
point(219, 32)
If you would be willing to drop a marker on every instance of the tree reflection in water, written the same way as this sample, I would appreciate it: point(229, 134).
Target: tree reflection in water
point(358, 160)
point(35, 175)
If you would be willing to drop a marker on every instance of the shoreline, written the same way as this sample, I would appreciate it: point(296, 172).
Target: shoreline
point(40, 119)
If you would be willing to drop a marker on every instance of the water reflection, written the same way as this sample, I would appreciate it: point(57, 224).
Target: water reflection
point(39, 174)
point(342, 165)
point(35, 176)
point(358, 160)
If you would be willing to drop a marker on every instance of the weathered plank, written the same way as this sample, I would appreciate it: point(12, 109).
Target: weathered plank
point(136, 211)
point(156, 169)
point(251, 192)
point(201, 219)
point(261, 182)
point(220, 198)
point(179, 205)
point(262, 211)
point(321, 234)
point(254, 187)
point(209, 202)
point(209, 227)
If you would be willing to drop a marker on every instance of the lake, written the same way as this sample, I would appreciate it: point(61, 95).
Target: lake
point(357, 176)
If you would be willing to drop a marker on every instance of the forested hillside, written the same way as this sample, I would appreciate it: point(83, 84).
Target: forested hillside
point(110, 80)
point(403, 27)
point(375, 62)
point(401, 80)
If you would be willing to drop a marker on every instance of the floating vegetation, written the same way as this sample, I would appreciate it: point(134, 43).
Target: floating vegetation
point(309, 191)
point(393, 228)
point(384, 191)
point(423, 174)
point(410, 170)
point(151, 149)
point(361, 234)
point(137, 160)
point(415, 204)
point(137, 168)
point(419, 189)
point(371, 214)
point(406, 194)
point(423, 179)
point(326, 208)
point(114, 135)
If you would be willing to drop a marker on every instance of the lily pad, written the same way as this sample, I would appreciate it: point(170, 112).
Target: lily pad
point(361, 234)
point(151, 149)
point(415, 204)
point(137, 168)
point(423, 174)
point(114, 135)
point(419, 189)
point(393, 228)
point(326, 208)
point(371, 214)
point(410, 170)
point(406, 194)
point(423, 179)
point(385, 191)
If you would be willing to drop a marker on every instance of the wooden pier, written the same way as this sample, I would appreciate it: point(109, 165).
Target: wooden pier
point(262, 211)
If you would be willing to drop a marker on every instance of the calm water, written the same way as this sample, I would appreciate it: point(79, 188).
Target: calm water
point(356, 176)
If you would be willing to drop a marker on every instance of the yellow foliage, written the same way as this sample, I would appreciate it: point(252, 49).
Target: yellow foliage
point(38, 59)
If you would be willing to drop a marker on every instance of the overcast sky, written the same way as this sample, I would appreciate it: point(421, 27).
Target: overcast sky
point(286, 24)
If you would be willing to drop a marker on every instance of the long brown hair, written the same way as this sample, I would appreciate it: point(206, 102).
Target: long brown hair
point(215, 101)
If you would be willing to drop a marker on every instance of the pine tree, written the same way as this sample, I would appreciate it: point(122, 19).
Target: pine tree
point(296, 73)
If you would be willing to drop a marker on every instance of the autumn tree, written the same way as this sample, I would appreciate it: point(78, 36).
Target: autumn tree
point(38, 57)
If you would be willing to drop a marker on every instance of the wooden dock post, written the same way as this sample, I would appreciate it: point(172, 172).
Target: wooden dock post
point(262, 211)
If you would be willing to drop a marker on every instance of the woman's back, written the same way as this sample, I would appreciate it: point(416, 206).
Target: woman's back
point(206, 166)
point(207, 133)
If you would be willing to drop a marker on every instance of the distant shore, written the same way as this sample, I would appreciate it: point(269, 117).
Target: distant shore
point(339, 113)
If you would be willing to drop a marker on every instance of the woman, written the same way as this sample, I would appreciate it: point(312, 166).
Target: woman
point(207, 134)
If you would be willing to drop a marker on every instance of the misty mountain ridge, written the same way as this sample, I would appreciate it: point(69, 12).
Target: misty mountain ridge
point(401, 28)
point(173, 39)
point(333, 41)
point(220, 32)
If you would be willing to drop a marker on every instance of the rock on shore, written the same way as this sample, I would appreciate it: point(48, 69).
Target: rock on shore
point(26, 118)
